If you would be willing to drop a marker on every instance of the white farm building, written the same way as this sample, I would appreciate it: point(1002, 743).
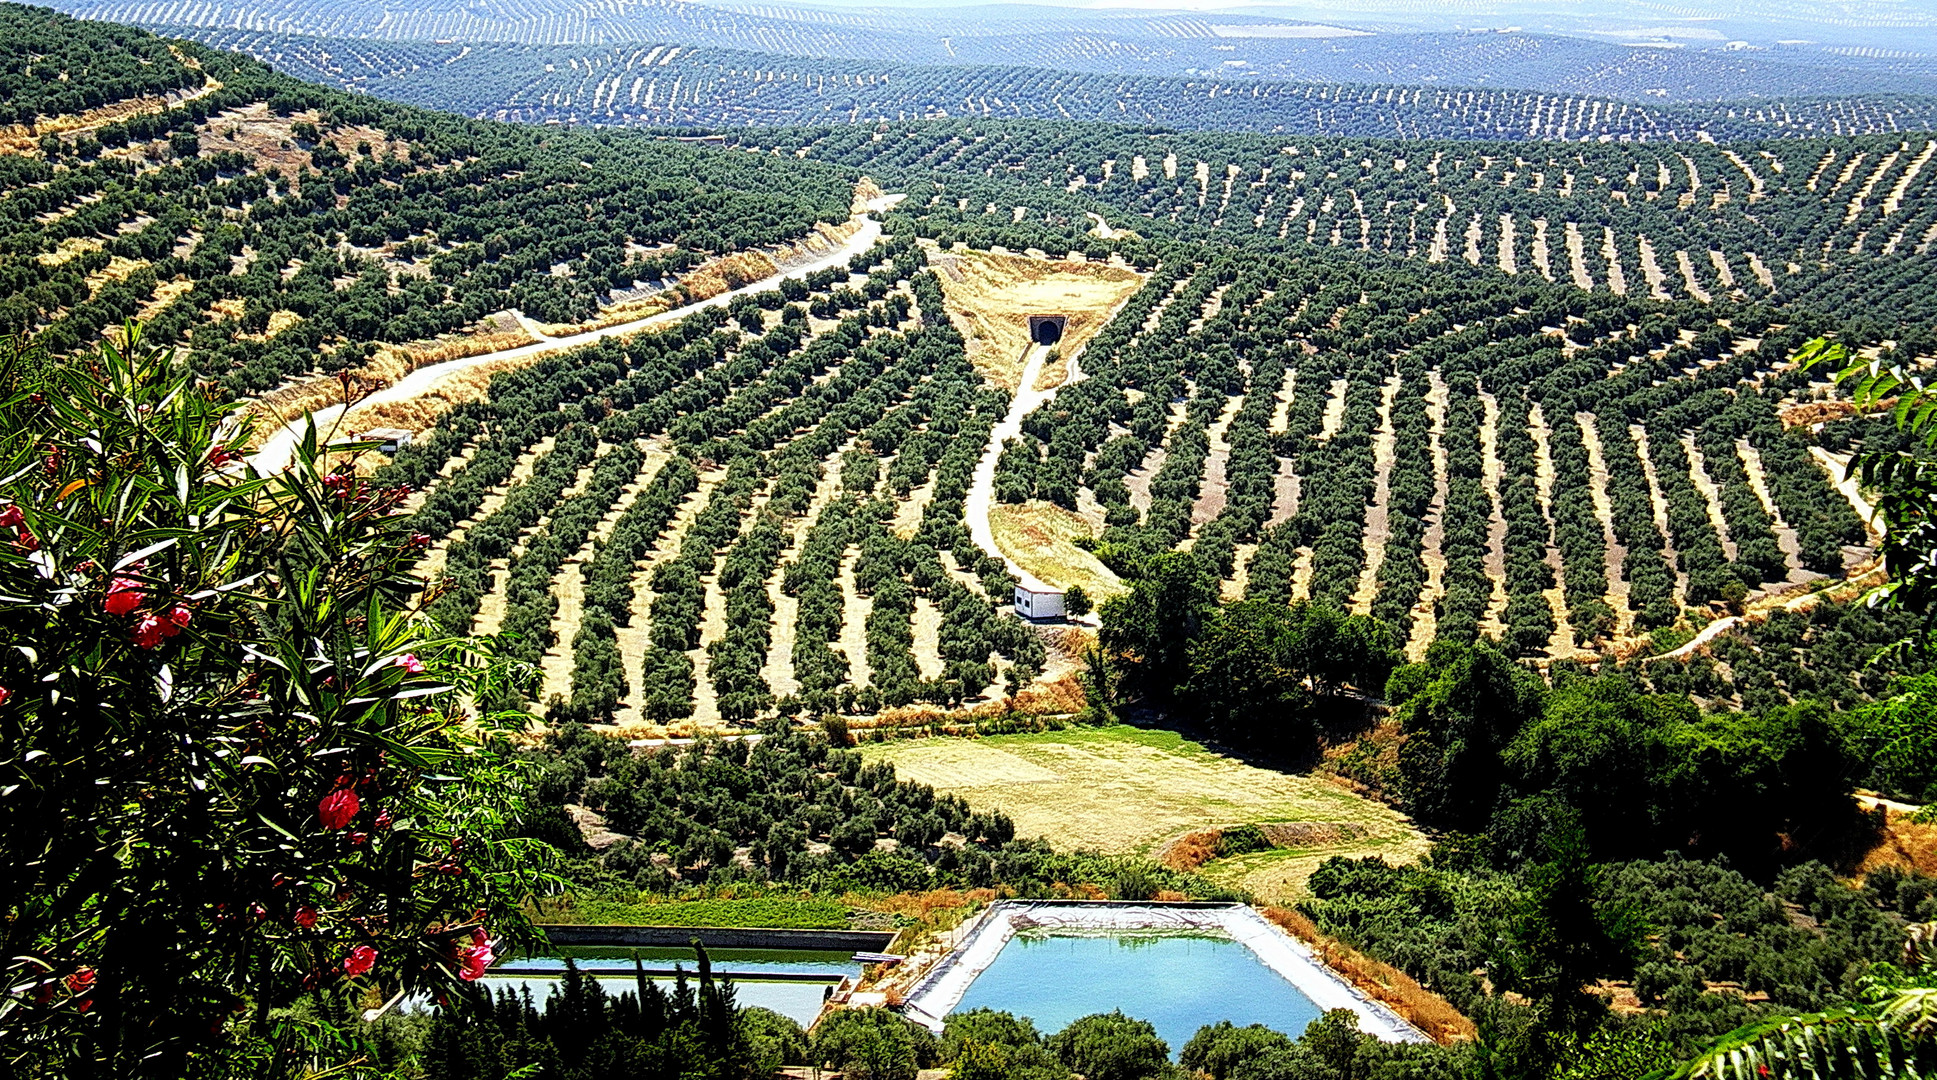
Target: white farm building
point(1039, 602)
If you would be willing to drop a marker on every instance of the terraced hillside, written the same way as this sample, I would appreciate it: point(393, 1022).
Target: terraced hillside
point(1840, 225)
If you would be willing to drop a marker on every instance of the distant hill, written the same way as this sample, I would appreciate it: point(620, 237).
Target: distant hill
point(675, 84)
point(278, 227)
point(1112, 42)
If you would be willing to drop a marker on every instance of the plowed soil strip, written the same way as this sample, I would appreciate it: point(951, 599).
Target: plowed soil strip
point(1425, 619)
point(1377, 529)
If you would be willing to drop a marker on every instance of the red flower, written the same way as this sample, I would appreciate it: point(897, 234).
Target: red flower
point(475, 959)
point(178, 617)
point(10, 518)
point(124, 595)
point(81, 980)
point(219, 455)
point(361, 959)
point(338, 808)
point(383, 816)
point(358, 839)
point(306, 916)
point(149, 631)
point(419, 540)
point(27, 541)
point(6, 695)
point(410, 663)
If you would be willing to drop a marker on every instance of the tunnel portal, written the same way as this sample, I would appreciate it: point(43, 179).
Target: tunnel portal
point(1047, 329)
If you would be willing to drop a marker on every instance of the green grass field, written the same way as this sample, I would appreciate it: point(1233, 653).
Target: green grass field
point(1132, 790)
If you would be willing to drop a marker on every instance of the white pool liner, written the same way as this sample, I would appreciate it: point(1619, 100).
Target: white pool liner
point(941, 988)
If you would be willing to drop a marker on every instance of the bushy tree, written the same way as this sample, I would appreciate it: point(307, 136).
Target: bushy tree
point(1112, 1046)
point(238, 767)
point(873, 1044)
point(1151, 628)
point(983, 1044)
point(1472, 703)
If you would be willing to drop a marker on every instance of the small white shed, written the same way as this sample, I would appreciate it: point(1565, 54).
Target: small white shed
point(393, 439)
point(1033, 603)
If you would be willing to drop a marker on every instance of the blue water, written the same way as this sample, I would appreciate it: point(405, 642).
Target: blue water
point(800, 1001)
point(833, 964)
point(1178, 983)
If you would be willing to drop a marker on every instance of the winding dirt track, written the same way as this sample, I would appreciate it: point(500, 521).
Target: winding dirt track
point(982, 487)
point(279, 449)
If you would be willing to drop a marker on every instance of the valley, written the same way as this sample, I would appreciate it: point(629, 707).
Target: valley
point(945, 483)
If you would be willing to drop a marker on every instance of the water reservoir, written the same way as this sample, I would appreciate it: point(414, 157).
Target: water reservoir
point(791, 982)
point(1177, 965)
point(1178, 982)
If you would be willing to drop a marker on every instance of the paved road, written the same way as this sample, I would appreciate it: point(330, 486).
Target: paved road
point(279, 449)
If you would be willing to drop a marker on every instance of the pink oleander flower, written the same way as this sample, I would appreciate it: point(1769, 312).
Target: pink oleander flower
point(360, 961)
point(477, 958)
point(410, 663)
point(338, 808)
point(124, 595)
point(149, 632)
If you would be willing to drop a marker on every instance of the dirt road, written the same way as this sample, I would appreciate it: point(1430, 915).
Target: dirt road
point(982, 488)
point(279, 449)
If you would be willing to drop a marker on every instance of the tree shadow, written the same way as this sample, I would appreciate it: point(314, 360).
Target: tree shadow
point(1291, 742)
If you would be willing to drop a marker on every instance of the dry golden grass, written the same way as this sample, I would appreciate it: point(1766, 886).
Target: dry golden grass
point(393, 362)
point(1380, 981)
point(165, 294)
point(1061, 696)
point(1041, 537)
point(865, 189)
point(989, 298)
point(1054, 373)
point(1816, 412)
point(280, 320)
point(119, 267)
point(24, 139)
point(1126, 789)
point(1904, 844)
point(70, 248)
point(1191, 850)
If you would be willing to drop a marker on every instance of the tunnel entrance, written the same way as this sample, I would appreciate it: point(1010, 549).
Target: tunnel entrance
point(1046, 329)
